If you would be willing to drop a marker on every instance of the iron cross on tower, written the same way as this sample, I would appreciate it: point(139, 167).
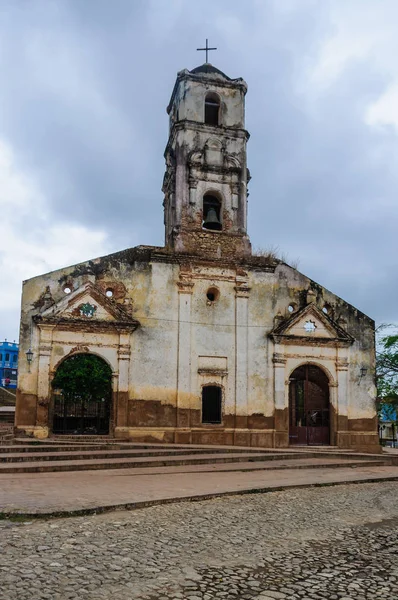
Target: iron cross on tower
point(206, 49)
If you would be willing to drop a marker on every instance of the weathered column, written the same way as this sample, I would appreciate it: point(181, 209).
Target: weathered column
point(339, 408)
point(183, 404)
point(235, 196)
point(121, 395)
point(43, 379)
point(281, 413)
point(193, 184)
point(241, 360)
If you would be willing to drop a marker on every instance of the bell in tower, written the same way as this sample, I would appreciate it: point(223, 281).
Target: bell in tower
point(211, 213)
point(205, 184)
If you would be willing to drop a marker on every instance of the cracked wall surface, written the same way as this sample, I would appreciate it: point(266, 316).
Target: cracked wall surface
point(174, 341)
point(146, 311)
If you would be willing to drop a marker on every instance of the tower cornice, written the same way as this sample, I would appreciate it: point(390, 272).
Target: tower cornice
point(215, 77)
point(211, 130)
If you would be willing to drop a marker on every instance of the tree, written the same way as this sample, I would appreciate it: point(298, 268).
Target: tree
point(85, 376)
point(387, 375)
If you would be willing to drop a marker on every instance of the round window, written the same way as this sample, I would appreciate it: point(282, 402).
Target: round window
point(212, 294)
point(327, 309)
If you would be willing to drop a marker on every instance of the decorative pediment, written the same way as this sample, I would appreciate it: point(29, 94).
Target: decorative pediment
point(214, 156)
point(87, 308)
point(310, 326)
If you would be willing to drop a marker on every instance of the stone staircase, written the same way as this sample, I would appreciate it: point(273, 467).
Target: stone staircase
point(7, 407)
point(82, 453)
point(6, 434)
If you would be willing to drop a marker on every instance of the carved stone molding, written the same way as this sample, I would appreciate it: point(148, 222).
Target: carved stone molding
point(185, 286)
point(278, 359)
point(242, 288)
point(79, 349)
point(44, 349)
point(242, 291)
point(210, 371)
point(124, 353)
point(342, 364)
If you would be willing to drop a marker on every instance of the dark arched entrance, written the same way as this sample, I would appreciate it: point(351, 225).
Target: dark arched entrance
point(309, 422)
point(82, 396)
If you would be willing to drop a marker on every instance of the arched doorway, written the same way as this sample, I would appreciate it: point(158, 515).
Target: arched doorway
point(309, 422)
point(82, 396)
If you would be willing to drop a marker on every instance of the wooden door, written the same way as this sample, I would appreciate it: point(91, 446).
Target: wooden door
point(309, 407)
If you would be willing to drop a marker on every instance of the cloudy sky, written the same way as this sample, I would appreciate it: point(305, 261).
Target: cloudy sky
point(83, 126)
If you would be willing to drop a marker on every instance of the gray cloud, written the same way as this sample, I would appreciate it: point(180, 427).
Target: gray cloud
point(83, 108)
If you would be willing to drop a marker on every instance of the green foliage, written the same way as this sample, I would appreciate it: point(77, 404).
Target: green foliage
point(387, 376)
point(85, 376)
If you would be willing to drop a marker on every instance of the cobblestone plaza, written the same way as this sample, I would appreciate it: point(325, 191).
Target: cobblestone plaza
point(336, 543)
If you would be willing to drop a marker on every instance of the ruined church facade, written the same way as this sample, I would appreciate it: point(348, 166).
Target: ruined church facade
point(207, 343)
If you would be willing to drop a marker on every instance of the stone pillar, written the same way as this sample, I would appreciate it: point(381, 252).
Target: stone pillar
point(339, 409)
point(121, 394)
point(235, 196)
point(183, 403)
point(281, 414)
point(193, 183)
point(242, 291)
point(43, 380)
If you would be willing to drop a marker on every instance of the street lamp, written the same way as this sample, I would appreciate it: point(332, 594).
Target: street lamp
point(29, 357)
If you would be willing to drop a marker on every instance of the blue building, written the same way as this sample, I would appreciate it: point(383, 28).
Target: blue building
point(388, 424)
point(8, 364)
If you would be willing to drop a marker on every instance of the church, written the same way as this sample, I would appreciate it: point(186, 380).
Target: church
point(203, 341)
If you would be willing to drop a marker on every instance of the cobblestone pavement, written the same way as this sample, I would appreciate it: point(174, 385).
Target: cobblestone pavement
point(337, 543)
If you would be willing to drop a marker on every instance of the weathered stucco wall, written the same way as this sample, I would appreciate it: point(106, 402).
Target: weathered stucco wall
point(184, 341)
point(164, 338)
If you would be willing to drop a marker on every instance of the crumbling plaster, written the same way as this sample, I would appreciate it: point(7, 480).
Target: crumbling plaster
point(180, 329)
point(162, 336)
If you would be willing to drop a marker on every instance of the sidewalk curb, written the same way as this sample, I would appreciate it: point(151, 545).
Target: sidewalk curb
point(4, 515)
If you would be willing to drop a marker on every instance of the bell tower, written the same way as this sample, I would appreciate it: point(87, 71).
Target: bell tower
point(205, 184)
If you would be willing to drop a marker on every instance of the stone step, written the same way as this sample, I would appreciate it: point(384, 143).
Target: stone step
point(29, 454)
point(7, 416)
point(39, 447)
point(7, 402)
point(177, 461)
point(6, 434)
point(7, 397)
point(51, 445)
point(35, 448)
point(310, 463)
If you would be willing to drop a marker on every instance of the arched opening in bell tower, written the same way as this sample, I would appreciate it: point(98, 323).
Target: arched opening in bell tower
point(212, 109)
point(211, 213)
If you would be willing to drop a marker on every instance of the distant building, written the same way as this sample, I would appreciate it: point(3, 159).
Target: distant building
point(8, 364)
point(388, 424)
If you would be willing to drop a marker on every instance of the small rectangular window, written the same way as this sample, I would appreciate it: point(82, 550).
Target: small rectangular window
point(7, 356)
point(1, 357)
point(211, 404)
point(15, 358)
